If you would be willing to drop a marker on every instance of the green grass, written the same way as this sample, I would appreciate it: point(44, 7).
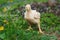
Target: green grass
point(16, 27)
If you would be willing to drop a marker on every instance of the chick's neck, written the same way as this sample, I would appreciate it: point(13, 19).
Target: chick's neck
point(29, 11)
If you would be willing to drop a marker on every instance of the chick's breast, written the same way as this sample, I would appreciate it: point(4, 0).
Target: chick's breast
point(32, 17)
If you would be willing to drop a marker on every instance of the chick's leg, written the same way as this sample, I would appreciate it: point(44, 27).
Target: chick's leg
point(40, 31)
point(29, 27)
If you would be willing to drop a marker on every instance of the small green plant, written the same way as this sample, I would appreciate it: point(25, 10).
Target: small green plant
point(49, 21)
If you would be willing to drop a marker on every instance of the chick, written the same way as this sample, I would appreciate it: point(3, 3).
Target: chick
point(32, 17)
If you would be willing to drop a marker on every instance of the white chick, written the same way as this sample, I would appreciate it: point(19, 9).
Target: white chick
point(32, 17)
